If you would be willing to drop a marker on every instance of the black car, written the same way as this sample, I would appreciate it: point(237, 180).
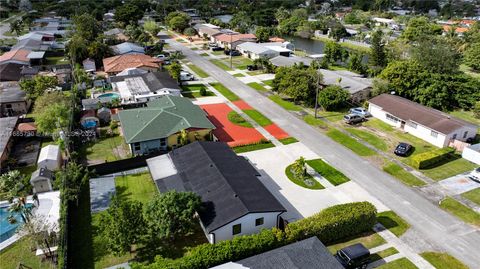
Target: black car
point(402, 149)
point(354, 256)
point(217, 48)
point(233, 52)
point(252, 67)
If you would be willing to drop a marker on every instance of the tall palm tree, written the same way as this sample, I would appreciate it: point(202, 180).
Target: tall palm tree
point(183, 137)
point(20, 207)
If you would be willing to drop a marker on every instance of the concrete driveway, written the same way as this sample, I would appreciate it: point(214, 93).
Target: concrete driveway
point(301, 202)
point(459, 184)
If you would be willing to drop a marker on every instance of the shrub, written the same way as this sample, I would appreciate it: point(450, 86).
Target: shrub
point(430, 158)
point(203, 91)
point(329, 225)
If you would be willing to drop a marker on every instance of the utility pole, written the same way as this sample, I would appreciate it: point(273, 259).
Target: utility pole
point(231, 47)
point(316, 93)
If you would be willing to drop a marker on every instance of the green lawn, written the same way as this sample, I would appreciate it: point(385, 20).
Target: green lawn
point(221, 64)
point(194, 48)
point(333, 116)
point(315, 185)
point(138, 187)
point(461, 211)
point(57, 60)
point(284, 103)
point(193, 87)
point(473, 195)
point(193, 91)
point(108, 149)
point(328, 172)
point(225, 92)
point(197, 70)
point(258, 117)
point(350, 143)
point(239, 62)
point(398, 172)
point(239, 75)
point(443, 260)
point(236, 119)
point(252, 147)
point(197, 94)
point(257, 87)
point(268, 82)
point(218, 52)
point(451, 167)
point(383, 254)
point(21, 251)
point(393, 222)
point(402, 263)
point(311, 120)
point(369, 138)
point(469, 71)
point(204, 54)
point(288, 140)
point(369, 240)
point(27, 170)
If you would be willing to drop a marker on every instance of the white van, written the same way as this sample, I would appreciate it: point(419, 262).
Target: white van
point(185, 76)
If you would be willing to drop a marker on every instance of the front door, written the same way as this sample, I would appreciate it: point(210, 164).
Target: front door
point(402, 124)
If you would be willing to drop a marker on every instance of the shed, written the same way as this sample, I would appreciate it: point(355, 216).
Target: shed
point(41, 180)
point(104, 114)
point(50, 157)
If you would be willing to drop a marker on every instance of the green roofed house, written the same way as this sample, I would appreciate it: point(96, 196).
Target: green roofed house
point(159, 125)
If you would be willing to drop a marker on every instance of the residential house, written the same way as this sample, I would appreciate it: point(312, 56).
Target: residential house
point(28, 72)
point(95, 103)
point(36, 58)
point(206, 29)
point(267, 50)
point(358, 86)
point(41, 180)
point(89, 65)
point(158, 126)
point(52, 25)
point(11, 71)
point(459, 31)
point(306, 254)
point(132, 71)
point(144, 87)
point(127, 48)
point(117, 33)
point(235, 202)
point(472, 153)
point(13, 100)
point(50, 157)
point(116, 64)
point(426, 123)
point(282, 61)
point(18, 56)
point(232, 40)
point(7, 125)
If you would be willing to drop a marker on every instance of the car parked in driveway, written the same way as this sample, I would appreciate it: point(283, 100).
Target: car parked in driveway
point(252, 67)
point(217, 48)
point(185, 76)
point(353, 119)
point(354, 256)
point(233, 52)
point(360, 111)
point(403, 149)
point(475, 175)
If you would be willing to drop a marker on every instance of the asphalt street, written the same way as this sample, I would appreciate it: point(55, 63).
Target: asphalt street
point(436, 226)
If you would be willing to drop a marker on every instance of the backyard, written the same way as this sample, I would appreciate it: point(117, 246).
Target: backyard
point(21, 251)
point(107, 148)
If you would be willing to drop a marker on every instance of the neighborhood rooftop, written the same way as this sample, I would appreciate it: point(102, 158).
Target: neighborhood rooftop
point(227, 183)
point(407, 110)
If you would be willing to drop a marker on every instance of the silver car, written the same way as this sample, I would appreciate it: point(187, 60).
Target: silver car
point(360, 111)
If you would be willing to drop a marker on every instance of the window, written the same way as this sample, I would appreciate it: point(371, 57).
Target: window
point(434, 134)
point(236, 229)
point(163, 142)
point(136, 146)
point(465, 134)
point(412, 124)
point(259, 222)
point(454, 136)
point(391, 118)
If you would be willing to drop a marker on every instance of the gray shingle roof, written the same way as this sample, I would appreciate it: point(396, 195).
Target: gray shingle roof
point(127, 48)
point(227, 183)
point(154, 80)
point(41, 172)
point(349, 81)
point(7, 125)
point(10, 72)
point(306, 254)
point(289, 61)
point(12, 94)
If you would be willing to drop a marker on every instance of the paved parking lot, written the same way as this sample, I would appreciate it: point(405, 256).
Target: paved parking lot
point(301, 202)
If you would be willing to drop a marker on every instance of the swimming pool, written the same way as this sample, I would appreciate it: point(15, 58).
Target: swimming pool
point(6, 228)
point(111, 95)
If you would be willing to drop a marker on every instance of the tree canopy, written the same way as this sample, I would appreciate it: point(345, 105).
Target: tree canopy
point(332, 97)
point(297, 82)
point(128, 14)
point(177, 20)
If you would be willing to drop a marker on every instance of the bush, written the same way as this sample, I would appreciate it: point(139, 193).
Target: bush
point(203, 91)
point(329, 225)
point(430, 158)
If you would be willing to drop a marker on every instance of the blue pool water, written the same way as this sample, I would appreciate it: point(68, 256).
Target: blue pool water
point(6, 228)
point(109, 95)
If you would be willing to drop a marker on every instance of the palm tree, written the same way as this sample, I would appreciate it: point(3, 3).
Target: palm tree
point(183, 137)
point(20, 207)
point(16, 27)
point(298, 167)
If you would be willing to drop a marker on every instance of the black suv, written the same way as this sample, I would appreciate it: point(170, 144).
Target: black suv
point(354, 256)
point(402, 149)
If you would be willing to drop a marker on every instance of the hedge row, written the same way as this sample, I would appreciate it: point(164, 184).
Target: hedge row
point(430, 158)
point(329, 225)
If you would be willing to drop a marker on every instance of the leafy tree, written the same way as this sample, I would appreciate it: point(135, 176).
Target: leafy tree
point(472, 56)
point(77, 49)
point(98, 50)
point(14, 184)
point(377, 50)
point(334, 52)
point(178, 21)
point(419, 27)
point(128, 14)
point(72, 179)
point(352, 18)
point(50, 98)
point(298, 82)
point(38, 85)
point(355, 63)
point(337, 30)
point(16, 27)
point(282, 14)
point(241, 21)
point(172, 214)
point(305, 30)
point(189, 32)
point(379, 86)
point(436, 56)
point(86, 26)
point(476, 110)
point(263, 33)
point(174, 70)
point(333, 97)
point(122, 225)
point(183, 137)
point(151, 27)
point(52, 118)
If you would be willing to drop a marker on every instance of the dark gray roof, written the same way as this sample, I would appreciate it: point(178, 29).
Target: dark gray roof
point(7, 125)
point(154, 80)
point(12, 94)
point(30, 70)
point(306, 254)
point(227, 183)
point(10, 72)
point(41, 172)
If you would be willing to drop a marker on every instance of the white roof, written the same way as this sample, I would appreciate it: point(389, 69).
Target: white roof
point(50, 152)
point(383, 20)
point(211, 26)
point(161, 166)
point(254, 48)
point(36, 55)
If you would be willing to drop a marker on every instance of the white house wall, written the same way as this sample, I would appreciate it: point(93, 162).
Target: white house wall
point(472, 153)
point(378, 113)
point(425, 133)
point(248, 225)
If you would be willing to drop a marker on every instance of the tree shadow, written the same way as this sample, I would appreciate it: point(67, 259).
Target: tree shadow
point(387, 222)
point(450, 158)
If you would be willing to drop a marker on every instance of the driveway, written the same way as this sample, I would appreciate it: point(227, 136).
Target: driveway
point(433, 223)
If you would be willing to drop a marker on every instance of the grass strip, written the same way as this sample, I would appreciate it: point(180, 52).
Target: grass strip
point(257, 86)
point(220, 64)
point(288, 140)
point(393, 222)
point(350, 143)
point(236, 119)
point(258, 117)
point(284, 103)
point(197, 70)
point(461, 211)
point(399, 173)
point(225, 92)
point(443, 260)
point(328, 172)
point(252, 147)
